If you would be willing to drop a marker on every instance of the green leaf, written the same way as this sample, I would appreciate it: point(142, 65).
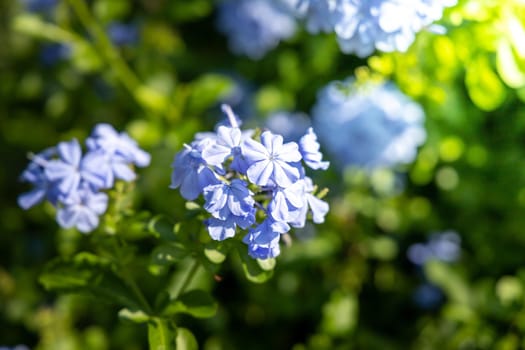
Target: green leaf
point(87, 273)
point(208, 90)
point(196, 303)
point(162, 227)
point(168, 254)
point(483, 85)
point(340, 313)
point(186, 340)
point(267, 264)
point(161, 335)
point(216, 251)
point(252, 270)
point(136, 316)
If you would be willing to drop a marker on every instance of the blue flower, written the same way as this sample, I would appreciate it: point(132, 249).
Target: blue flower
point(286, 202)
point(53, 53)
point(220, 229)
point(321, 15)
point(40, 5)
point(309, 148)
point(106, 139)
point(190, 171)
point(223, 200)
point(361, 26)
point(254, 27)
point(69, 170)
point(43, 188)
point(445, 246)
point(241, 178)
point(291, 126)
point(428, 296)
point(271, 161)
point(318, 207)
point(369, 125)
point(122, 34)
point(263, 240)
point(263, 251)
point(82, 209)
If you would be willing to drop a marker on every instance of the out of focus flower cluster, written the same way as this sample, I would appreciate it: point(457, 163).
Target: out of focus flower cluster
point(368, 124)
point(73, 182)
point(256, 183)
point(361, 26)
point(443, 246)
point(254, 27)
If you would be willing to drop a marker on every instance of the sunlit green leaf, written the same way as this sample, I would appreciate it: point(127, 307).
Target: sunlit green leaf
point(168, 254)
point(508, 69)
point(252, 270)
point(196, 303)
point(186, 340)
point(136, 316)
point(483, 85)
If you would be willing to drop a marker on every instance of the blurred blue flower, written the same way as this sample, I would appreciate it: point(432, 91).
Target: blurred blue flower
point(106, 139)
point(71, 182)
point(35, 174)
point(82, 209)
point(270, 161)
point(361, 26)
point(290, 125)
point(122, 34)
point(53, 53)
point(254, 27)
point(111, 154)
point(40, 5)
point(369, 125)
point(445, 246)
point(70, 169)
point(16, 347)
point(428, 296)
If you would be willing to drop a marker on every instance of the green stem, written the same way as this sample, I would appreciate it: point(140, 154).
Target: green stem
point(160, 335)
point(121, 69)
point(129, 280)
point(187, 279)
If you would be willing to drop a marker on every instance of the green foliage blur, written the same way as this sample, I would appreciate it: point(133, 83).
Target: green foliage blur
point(348, 284)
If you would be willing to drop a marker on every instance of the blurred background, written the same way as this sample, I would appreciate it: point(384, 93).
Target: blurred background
point(424, 244)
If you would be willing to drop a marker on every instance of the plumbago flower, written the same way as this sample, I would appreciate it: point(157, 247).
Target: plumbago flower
point(254, 27)
point(73, 182)
point(361, 26)
point(256, 184)
point(369, 124)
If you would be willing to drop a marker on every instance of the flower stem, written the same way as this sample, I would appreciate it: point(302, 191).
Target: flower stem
point(187, 279)
point(126, 276)
point(112, 56)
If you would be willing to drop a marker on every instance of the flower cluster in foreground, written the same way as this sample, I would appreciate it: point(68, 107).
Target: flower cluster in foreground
point(368, 124)
point(361, 26)
point(256, 183)
point(73, 182)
